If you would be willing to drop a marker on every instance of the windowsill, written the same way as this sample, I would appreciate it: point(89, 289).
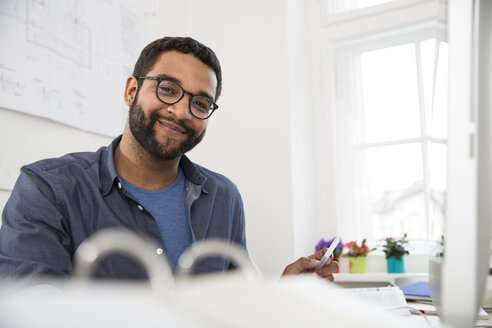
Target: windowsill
point(375, 277)
point(370, 280)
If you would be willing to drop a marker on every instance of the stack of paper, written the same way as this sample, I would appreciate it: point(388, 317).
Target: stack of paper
point(386, 297)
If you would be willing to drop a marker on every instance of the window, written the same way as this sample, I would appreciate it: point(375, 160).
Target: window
point(390, 131)
point(339, 6)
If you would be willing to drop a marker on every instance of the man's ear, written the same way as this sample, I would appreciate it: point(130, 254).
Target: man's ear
point(130, 90)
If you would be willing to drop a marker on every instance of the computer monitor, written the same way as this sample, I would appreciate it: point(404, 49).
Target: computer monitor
point(469, 197)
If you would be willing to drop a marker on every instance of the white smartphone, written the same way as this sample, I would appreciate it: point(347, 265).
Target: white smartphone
point(328, 253)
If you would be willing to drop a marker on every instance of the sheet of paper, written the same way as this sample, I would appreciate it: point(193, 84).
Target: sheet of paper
point(386, 297)
point(67, 60)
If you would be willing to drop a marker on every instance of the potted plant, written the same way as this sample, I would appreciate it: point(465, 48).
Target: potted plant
point(440, 248)
point(337, 253)
point(394, 250)
point(357, 256)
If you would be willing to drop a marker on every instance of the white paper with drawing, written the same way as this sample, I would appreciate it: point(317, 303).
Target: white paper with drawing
point(67, 60)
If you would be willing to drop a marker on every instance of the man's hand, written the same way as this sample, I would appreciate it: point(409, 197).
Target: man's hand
point(307, 264)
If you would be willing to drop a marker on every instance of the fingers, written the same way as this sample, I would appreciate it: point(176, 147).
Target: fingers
point(330, 267)
point(327, 271)
point(319, 254)
point(302, 265)
point(308, 264)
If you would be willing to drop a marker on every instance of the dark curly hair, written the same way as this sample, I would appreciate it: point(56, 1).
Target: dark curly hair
point(185, 45)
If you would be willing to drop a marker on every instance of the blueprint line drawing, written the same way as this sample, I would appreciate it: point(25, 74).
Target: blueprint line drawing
point(67, 60)
point(54, 25)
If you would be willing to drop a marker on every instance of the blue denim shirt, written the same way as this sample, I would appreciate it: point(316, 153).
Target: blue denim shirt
point(57, 203)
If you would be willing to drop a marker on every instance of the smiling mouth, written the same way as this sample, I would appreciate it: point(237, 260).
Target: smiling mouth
point(171, 128)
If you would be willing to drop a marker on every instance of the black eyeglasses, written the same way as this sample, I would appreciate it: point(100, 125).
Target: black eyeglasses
point(170, 93)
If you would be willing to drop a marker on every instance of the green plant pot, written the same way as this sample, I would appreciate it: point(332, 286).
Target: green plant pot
point(395, 266)
point(358, 264)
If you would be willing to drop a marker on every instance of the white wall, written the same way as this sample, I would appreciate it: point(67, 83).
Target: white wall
point(248, 138)
point(25, 139)
point(301, 124)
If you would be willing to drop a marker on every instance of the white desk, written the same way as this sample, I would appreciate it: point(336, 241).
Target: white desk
point(367, 280)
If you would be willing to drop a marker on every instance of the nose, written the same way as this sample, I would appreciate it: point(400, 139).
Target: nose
point(181, 109)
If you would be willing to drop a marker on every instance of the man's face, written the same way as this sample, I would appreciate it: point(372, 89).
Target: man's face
point(168, 131)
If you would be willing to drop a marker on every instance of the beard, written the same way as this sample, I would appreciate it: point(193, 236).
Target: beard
point(144, 132)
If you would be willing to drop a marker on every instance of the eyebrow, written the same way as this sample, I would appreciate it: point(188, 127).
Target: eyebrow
point(178, 81)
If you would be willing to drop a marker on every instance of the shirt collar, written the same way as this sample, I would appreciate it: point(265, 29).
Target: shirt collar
point(109, 174)
point(108, 169)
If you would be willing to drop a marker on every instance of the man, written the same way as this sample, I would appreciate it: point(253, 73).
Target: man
point(142, 181)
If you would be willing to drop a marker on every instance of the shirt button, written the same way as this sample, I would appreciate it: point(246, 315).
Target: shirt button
point(119, 185)
point(140, 207)
point(159, 251)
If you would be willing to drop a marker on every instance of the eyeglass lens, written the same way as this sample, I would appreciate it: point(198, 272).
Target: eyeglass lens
point(170, 93)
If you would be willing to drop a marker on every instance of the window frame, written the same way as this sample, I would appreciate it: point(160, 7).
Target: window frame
point(393, 23)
